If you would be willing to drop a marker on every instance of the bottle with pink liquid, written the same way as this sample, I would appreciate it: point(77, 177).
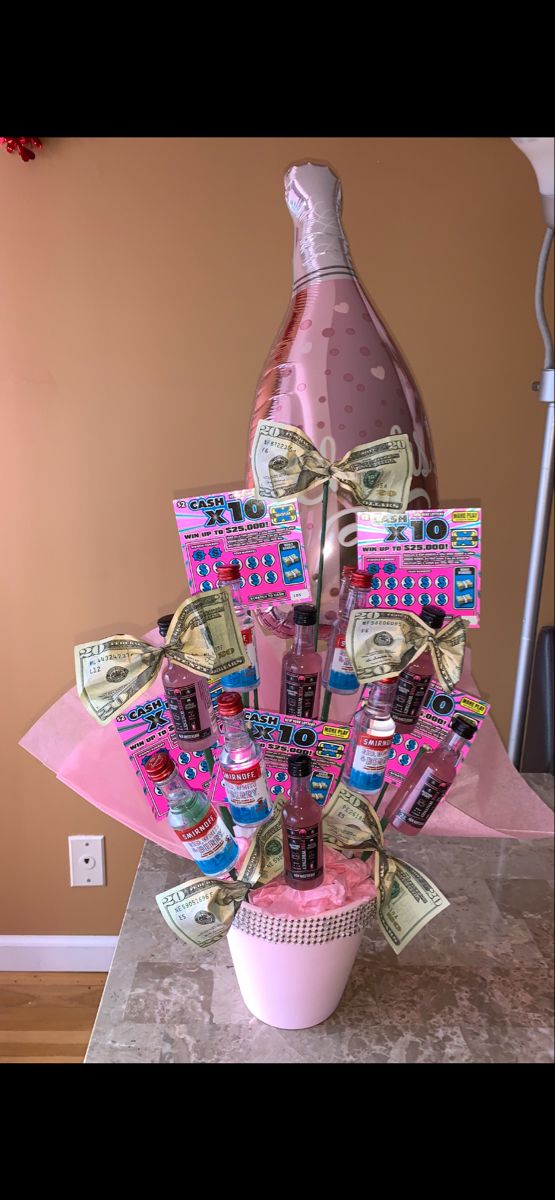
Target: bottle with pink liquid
point(414, 681)
point(431, 777)
point(188, 701)
point(335, 371)
point(242, 766)
point(302, 667)
point(301, 825)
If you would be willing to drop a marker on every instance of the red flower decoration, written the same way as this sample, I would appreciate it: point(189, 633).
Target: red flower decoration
point(22, 145)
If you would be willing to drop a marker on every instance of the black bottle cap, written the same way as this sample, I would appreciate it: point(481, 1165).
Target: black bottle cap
point(304, 614)
point(463, 726)
point(299, 766)
point(433, 616)
point(164, 624)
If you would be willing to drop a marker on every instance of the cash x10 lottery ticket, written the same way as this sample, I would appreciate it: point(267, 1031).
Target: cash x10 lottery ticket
point(424, 557)
point(264, 539)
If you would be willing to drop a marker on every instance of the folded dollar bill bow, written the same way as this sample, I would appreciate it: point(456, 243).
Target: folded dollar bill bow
point(203, 636)
point(200, 911)
point(381, 643)
point(286, 463)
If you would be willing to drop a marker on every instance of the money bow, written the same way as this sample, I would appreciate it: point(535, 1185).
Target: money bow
point(200, 911)
point(381, 643)
point(204, 636)
point(286, 463)
point(406, 899)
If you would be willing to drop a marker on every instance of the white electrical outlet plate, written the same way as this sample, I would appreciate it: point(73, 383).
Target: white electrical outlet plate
point(86, 861)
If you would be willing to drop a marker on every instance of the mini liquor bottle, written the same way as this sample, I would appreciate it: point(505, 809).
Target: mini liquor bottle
point(346, 576)
point(248, 678)
point(339, 675)
point(242, 767)
point(302, 667)
point(301, 824)
point(431, 777)
point(414, 682)
point(373, 732)
point(188, 701)
point(193, 818)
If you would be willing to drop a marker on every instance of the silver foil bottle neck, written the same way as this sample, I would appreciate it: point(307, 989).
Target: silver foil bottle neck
point(313, 197)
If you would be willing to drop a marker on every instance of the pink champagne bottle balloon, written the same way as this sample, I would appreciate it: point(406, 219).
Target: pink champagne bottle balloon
point(335, 372)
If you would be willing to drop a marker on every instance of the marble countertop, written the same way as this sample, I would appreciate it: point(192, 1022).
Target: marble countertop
point(474, 986)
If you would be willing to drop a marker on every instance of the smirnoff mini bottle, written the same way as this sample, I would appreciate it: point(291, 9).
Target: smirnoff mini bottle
point(373, 732)
point(301, 824)
point(339, 675)
point(242, 767)
point(302, 667)
point(193, 818)
point(346, 576)
point(188, 701)
point(247, 678)
point(413, 683)
point(431, 777)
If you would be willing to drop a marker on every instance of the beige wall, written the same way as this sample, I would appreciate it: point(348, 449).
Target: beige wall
point(141, 283)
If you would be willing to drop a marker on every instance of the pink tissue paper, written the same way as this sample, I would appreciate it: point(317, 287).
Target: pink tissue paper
point(488, 799)
point(345, 881)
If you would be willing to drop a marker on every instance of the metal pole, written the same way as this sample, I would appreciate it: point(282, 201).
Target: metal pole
point(541, 518)
point(535, 576)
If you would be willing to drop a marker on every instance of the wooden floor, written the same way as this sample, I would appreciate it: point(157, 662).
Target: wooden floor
point(47, 1018)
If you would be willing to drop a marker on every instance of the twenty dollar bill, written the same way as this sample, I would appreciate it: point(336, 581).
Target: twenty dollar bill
point(286, 463)
point(406, 902)
point(350, 822)
point(201, 910)
point(406, 898)
point(382, 644)
point(204, 636)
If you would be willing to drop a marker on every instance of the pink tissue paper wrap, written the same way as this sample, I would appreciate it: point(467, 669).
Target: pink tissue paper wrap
point(488, 799)
point(345, 881)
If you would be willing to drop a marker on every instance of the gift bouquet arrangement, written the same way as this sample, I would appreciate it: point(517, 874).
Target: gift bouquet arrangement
point(283, 821)
point(302, 702)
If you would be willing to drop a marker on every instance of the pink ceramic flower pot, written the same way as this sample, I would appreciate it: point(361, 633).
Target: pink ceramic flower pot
point(292, 971)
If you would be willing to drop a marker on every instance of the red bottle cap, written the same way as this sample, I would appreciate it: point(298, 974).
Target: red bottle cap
point(229, 704)
point(229, 572)
point(361, 579)
point(159, 766)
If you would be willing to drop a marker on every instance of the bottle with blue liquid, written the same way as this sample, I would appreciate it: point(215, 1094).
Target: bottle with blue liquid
point(193, 818)
point(373, 732)
point(339, 676)
point(248, 678)
point(243, 771)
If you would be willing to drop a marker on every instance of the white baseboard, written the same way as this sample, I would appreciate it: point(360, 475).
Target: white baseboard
point(55, 952)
